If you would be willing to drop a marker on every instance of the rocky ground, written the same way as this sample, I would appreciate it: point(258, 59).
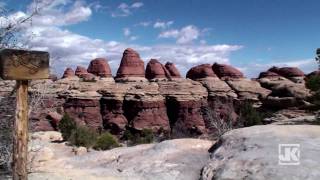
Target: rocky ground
point(252, 153)
point(171, 159)
point(246, 153)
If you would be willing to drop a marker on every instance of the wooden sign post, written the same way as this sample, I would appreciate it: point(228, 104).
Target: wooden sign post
point(22, 66)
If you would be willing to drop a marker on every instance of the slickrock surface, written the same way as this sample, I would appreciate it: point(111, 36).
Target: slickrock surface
point(253, 153)
point(100, 67)
point(172, 159)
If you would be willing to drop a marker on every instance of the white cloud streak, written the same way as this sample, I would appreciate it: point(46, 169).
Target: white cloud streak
point(162, 24)
point(72, 49)
point(185, 35)
point(124, 10)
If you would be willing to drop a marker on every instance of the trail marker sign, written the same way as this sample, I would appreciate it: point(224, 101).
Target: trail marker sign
point(22, 66)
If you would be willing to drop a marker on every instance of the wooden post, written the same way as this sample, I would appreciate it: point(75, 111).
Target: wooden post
point(20, 140)
point(22, 65)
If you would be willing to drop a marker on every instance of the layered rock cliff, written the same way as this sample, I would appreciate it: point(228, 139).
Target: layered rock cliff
point(158, 98)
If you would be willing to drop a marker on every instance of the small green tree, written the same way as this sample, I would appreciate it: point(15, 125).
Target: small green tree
point(66, 126)
point(249, 115)
point(313, 83)
point(144, 136)
point(83, 136)
point(106, 141)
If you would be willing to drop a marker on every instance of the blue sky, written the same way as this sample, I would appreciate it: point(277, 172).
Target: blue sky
point(249, 34)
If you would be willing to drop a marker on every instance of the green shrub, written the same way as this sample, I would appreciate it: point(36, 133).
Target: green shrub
point(313, 83)
point(66, 126)
point(249, 115)
point(142, 137)
point(83, 136)
point(106, 141)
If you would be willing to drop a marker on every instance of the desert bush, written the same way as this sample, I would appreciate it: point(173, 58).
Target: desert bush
point(66, 126)
point(249, 116)
point(144, 136)
point(218, 124)
point(106, 141)
point(313, 83)
point(83, 136)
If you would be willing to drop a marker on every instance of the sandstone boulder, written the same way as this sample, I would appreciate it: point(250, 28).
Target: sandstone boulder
point(253, 153)
point(131, 65)
point(268, 74)
point(200, 71)
point(174, 72)
point(248, 89)
point(100, 67)
point(287, 72)
point(285, 88)
point(155, 70)
point(217, 87)
point(226, 71)
point(68, 73)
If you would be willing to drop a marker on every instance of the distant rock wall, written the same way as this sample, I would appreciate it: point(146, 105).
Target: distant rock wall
point(159, 99)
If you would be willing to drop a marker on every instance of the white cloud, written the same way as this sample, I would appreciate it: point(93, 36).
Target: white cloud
point(137, 5)
point(126, 32)
point(67, 48)
point(185, 35)
point(73, 49)
point(162, 24)
point(188, 34)
point(52, 13)
point(169, 34)
point(144, 24)
point(124, 10)
point(132, 38)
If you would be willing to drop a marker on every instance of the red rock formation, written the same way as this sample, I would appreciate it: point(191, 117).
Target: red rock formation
point(131, 65)
point(149, 115)
point(156, 70)
point(174, 72)
point(112, 115)
point(226, 71)
point(100, 67)
point(68, 73)
point(80, 71)
point(186, 118)
point(42, 118)
point(287, 72)
point(85, 112)
point(201, 71)
point(268, 74)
